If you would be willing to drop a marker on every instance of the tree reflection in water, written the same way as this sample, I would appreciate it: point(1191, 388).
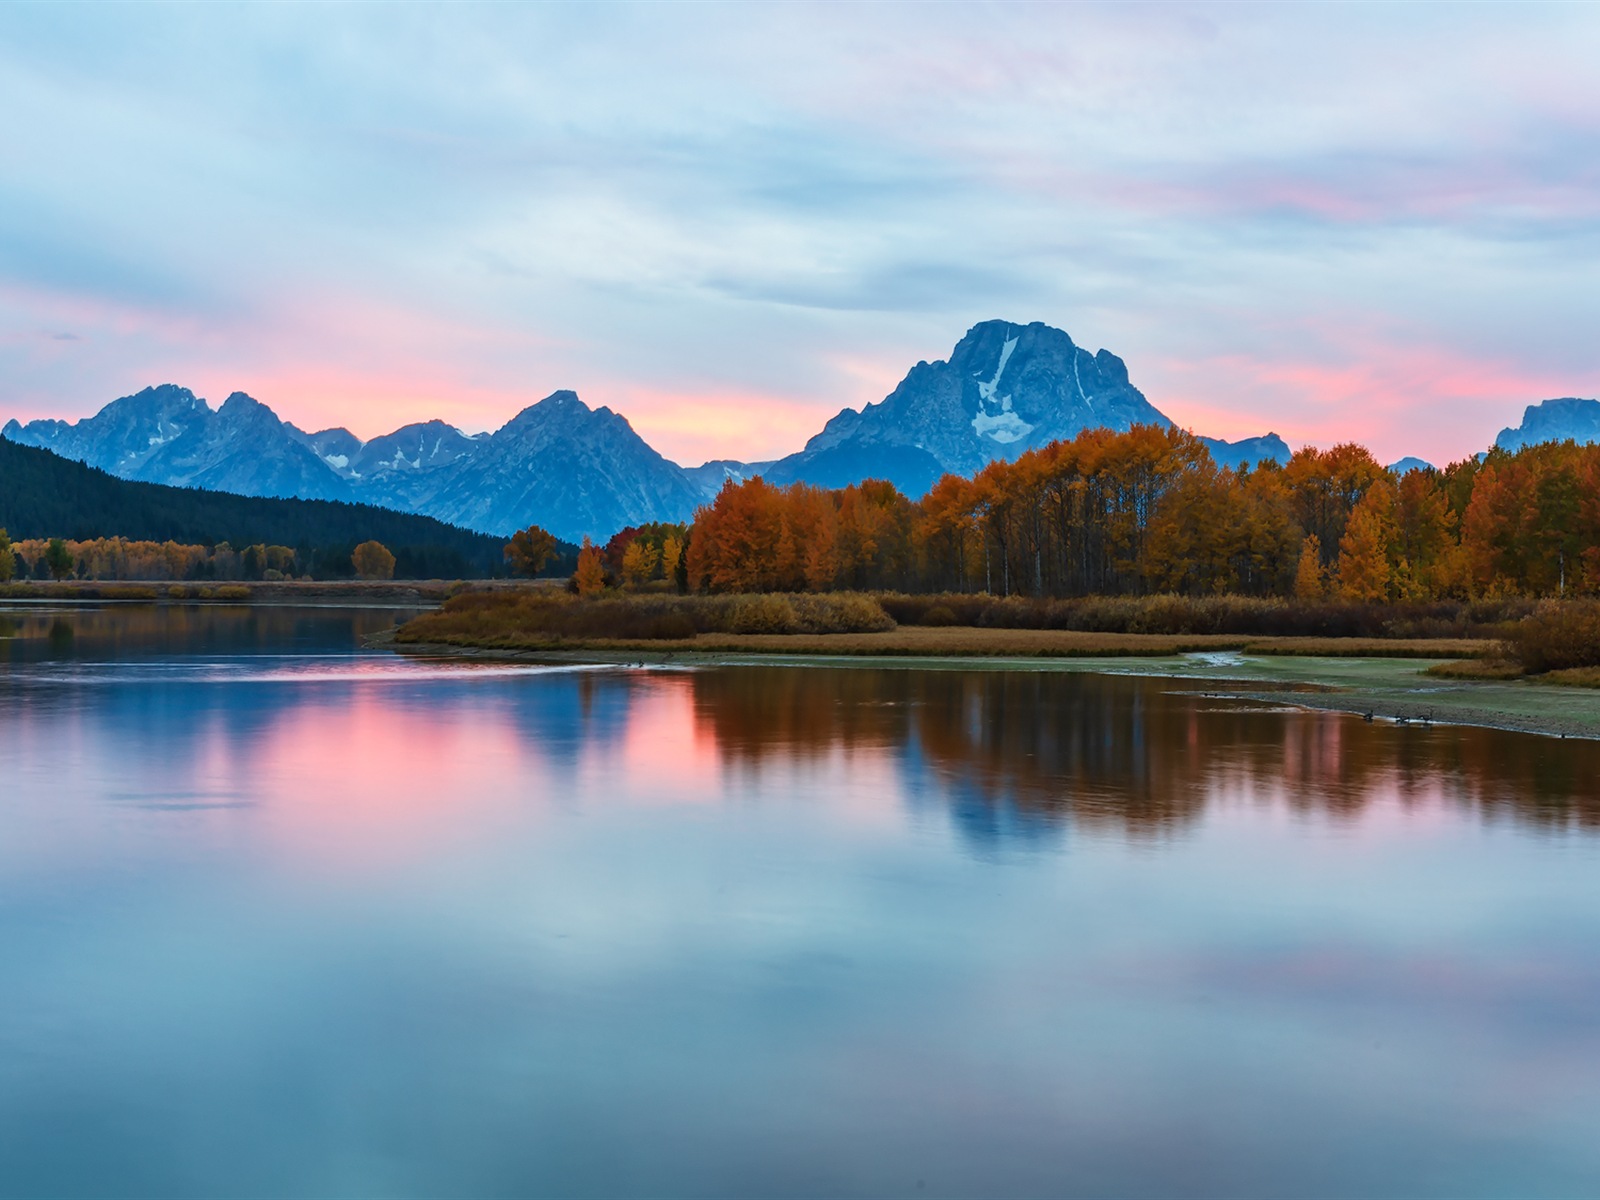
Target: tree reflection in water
point(1034, 749)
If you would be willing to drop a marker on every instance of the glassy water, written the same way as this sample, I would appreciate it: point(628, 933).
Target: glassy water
point(282, 918)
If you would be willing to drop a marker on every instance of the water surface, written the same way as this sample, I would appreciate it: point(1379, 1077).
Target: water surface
point(279, 917)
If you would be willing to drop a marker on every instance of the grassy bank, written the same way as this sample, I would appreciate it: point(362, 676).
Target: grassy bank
point(855, 624)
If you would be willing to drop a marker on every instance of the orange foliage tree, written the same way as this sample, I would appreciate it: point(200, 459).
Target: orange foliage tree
point(1148, 510)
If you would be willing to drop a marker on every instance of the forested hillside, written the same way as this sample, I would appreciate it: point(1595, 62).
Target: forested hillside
point(43, 495)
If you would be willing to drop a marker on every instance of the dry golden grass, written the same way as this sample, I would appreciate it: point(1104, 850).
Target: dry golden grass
point(1335, 647)
point(1490, 668)
point(1575, 677)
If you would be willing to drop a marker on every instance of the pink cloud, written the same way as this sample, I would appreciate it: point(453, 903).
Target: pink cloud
point(1441, 404)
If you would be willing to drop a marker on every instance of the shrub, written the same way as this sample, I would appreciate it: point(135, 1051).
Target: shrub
point(232, 592)
point(939, 614)
point(671, 625)
point(761, 614)
point(839, 612)
point(1558, 636)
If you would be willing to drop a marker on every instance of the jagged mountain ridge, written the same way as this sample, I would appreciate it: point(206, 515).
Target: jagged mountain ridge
point(580, 471)
point(605, 476)
point(1566, 419)
point(169, 435)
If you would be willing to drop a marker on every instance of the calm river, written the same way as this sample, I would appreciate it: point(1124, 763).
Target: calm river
point(279, 917)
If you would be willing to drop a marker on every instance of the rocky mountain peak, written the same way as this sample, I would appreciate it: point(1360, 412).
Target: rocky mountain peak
point(1005, 389)
point(1566, 419)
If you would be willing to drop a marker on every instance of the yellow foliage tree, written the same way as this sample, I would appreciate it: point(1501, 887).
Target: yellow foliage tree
point(1309, 580)
point(372, 560)
point(591, 574)
point(1366, 572)
point(639, 562)
point(671, 555)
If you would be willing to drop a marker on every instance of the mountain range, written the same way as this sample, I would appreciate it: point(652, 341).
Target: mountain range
point(1006, 388)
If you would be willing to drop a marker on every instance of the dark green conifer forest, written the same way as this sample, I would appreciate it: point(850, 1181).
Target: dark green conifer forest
point(43, 495)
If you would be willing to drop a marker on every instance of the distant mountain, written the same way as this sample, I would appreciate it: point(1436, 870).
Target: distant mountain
point(1005, 389)
point(168, 435)
point(573, 469)
point(406, 468)
point(45, 495)
point(1410, 463)
point(709, 477)
point(1247, 452)
point(336, 447)
point(1568, 419)
point(124, 435)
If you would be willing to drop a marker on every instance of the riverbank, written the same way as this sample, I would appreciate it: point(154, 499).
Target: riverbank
point(1339, 675)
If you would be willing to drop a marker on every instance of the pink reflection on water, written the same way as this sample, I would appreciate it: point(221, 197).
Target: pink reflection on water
point(365, 778)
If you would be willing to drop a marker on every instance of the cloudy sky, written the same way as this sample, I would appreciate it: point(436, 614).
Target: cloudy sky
point(1378, 222)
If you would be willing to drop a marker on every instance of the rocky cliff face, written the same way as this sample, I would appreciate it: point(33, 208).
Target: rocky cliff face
point(1567, 419)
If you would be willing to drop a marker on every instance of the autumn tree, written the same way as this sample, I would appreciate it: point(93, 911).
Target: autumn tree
point(372, 560)
point(639, 562)
point(529, 550)
point(590, 578)
point(1367, 568)
point(1310, 582)
point(8, 559)
point(671, 557)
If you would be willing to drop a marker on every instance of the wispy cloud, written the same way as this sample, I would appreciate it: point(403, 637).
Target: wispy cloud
point(1366, 221)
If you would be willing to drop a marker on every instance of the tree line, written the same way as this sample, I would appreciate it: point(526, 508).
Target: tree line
point(120, 559)
point(1149, 511)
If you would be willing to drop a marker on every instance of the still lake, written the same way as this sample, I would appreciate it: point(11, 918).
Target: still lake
point(282, 917)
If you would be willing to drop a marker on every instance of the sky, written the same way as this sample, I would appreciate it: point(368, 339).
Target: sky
point(727, 222)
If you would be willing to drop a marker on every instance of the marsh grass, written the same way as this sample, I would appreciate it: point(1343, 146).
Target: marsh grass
point(964, 624)
point(76, 591)
point(1251, 615)
point(831, 623)
point(530, 617)
point(1485, 669)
